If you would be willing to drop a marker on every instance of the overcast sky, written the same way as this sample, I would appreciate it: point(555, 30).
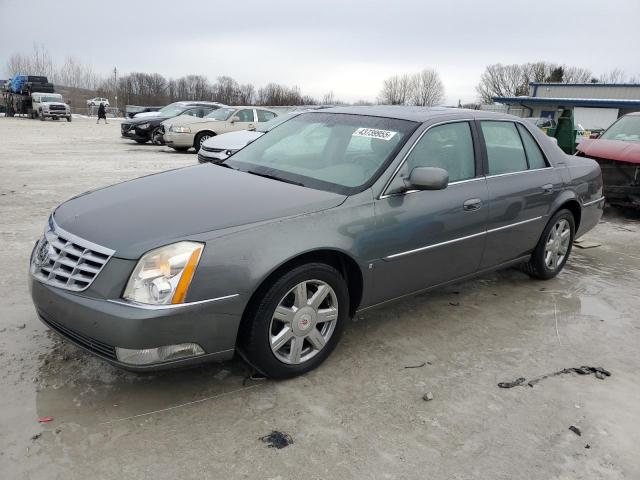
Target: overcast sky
point(348, 47)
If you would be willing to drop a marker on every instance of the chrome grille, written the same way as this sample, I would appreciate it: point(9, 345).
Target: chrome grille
point(64, 260)
point(209, 149)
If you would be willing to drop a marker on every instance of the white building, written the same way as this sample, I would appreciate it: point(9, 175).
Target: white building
point(595, 105)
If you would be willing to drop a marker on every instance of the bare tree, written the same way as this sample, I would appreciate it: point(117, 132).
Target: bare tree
point(500, 80)
point(396, 90)
point(427, 89)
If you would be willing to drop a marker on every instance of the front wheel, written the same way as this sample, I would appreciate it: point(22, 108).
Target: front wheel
point(554, 247)
point(69, 118)
point(157, 137)
point(296, 322)
point(200, 139)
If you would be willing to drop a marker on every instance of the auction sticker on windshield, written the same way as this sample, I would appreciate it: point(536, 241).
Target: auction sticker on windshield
point(374, 133)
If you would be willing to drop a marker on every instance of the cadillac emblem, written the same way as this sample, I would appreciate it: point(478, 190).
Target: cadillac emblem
point(42, 253)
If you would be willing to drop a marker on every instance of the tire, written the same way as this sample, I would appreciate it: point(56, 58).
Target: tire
point(140, 140)
point(69, 118)
point(552, 251)
point(201, 138)
point(180, 149)
point(156, 136)
point(297, 323)
point(41, 117)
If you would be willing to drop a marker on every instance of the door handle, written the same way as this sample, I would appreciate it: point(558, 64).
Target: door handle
point(548, 188)
point(472, 204)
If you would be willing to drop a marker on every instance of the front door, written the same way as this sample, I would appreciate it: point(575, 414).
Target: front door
point(424, 238)
point(521, 186)
point(244, 120)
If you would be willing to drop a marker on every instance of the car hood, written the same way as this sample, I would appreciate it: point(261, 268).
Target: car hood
point(611, 149)
point(147, 114)
point(155, 120)
point(187, 120)
point(232, 140)
point(136, 216)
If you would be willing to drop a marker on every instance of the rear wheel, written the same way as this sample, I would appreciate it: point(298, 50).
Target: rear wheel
point(180, 149)
point(201, 138)
point(296, 322)
point(554, 247)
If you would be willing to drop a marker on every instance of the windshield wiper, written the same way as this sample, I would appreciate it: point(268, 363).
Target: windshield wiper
point(226, 165)
point(273, 177)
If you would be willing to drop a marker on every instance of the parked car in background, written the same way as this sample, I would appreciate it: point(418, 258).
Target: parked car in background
point(617, 150)
point(193, 132)
point(331, 213)
point(543, 122)
point(220, 147)
point(95, 102)
point(147, 129)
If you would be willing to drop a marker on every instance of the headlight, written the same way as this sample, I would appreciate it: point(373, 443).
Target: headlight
point(179, 129)
point(143, 126)
point(163, 276)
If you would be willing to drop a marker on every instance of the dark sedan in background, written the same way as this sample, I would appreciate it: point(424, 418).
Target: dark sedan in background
point(148, 128)
point(333, 212)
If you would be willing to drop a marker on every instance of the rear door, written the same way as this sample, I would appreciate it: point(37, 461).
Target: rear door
point(425, 238)
point(522, 186)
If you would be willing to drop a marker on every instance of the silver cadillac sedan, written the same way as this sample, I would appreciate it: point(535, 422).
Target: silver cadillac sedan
point(270, 253)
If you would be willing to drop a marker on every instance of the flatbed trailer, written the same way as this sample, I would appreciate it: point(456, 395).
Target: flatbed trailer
point(17, 104)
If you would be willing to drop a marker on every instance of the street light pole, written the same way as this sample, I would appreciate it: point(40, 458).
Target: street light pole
point(115, 86)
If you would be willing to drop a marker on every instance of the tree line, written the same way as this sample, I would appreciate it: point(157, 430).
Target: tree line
point(423, 88)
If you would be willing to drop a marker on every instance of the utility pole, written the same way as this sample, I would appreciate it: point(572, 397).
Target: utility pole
point(115, 86)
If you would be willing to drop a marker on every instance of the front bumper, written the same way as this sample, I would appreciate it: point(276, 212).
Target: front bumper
point(136, 134)
point(100, 325)
point(180, 140)
point(213, 157)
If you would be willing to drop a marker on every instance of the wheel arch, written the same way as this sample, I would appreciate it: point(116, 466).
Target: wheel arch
point(340, 260)
point(573, 206)
point(201, 132)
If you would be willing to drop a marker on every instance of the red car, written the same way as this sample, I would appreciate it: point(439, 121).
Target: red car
point(617, 151)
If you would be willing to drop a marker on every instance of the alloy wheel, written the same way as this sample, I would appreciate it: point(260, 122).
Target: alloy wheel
point(557, 244)
point(303, 322)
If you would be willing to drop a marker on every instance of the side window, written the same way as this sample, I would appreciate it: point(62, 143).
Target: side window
point(245, 115)
point(534, 154)
point(265, 116)
point(448, 146)
point(194, 112)
point(505, 152)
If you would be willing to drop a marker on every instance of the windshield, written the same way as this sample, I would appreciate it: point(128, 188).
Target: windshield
point(264, 127)
point(626, 129)
point(220, 114)
point(50, 99)
point(173, 109)
point(328, 151)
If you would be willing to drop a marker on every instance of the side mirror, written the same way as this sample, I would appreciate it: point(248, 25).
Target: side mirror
point(427, 178)
point(235, 119)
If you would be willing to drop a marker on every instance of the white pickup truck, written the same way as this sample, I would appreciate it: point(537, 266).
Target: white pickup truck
point(50, 105)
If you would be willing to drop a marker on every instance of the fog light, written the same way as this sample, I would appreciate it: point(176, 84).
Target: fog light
point(148, 356)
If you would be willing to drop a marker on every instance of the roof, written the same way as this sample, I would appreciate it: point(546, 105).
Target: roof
point(558, 84)
point(415, 114)
point(574, 102)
